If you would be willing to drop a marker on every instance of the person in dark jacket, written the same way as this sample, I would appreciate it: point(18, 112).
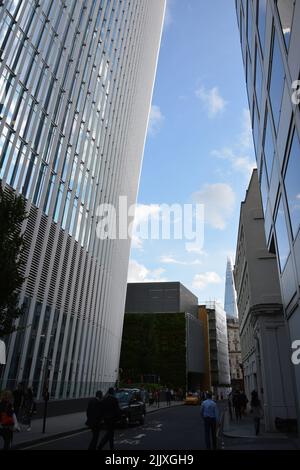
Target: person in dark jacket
point(256, 410)
point(111, 414)
point(18, 397)
point(94, 415)
point(237, 405)
point(6, 418)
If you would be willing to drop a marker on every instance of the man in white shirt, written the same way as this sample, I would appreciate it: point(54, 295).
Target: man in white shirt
point(210, 414)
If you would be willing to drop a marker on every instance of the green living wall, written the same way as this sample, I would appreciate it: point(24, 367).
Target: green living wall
point(154, 344)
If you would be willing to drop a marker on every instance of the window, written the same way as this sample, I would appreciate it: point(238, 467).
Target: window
point(261, 21)
point(40, 185)
point(28, 174)
point(6, 27)
point(264, 188)
point(5, 146)
point(249, 26)
point(255, 126)
point(13, 6)
point(58, 202)
point(7, 81)
point(66, 164)
point(49, 143)
point(286, 10)
point(258, 77)
point(16, 164)
point(66, 210)
point(73, 216)
point(269, 146)
point(292, 184)
point(283, 248)
point(57, 155)
point(276, 81)
point(49, 194)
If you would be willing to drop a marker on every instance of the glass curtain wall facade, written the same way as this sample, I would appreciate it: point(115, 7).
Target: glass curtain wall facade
point(76, 81)
point(230, 305)
point(270, 38)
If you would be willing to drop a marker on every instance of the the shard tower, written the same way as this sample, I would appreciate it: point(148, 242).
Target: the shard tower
point(230, 305)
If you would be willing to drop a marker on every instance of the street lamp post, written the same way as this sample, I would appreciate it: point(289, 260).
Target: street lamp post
point(46, 390)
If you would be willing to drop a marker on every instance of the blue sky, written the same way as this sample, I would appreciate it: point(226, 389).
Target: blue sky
point(199, 146)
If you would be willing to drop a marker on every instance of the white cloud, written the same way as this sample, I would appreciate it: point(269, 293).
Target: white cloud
point(240, 153)
point(139, 273)
point(201, 281)
point(143, 214)
point(193, 248)
point(239, 162)
point(245, 138)
point(219, 202)
point(156, 120)
point(212, 100)
point(169, 259)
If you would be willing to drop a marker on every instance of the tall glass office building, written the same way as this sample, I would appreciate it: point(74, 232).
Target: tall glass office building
point(270, 39)
point(76, 81)
point(230, 305)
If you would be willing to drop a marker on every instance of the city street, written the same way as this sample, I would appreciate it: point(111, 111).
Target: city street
point(178, 428)
point(150, 228)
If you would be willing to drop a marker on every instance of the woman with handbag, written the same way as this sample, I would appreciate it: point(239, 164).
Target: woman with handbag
point(8, 421)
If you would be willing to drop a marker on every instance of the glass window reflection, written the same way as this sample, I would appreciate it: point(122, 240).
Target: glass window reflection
point(283, 246)
point(264, 187)
point(277, 81)
point(249, 26)
point(292, 184)
point(258, 77)
point(269, 146)
point(286, 11)
point(255, 126)
point(261, 21)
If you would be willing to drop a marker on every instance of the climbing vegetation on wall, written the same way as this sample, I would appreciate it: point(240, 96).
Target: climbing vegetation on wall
point(154, 344)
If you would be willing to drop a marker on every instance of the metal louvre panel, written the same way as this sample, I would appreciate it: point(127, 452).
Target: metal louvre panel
point(78, 71)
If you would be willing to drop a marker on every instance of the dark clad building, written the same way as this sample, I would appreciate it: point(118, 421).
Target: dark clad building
point(160, 297)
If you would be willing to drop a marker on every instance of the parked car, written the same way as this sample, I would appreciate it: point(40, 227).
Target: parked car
point(132, 405)
point(192, 399)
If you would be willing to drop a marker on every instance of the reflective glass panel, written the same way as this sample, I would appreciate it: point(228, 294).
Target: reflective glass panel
point(292, 184)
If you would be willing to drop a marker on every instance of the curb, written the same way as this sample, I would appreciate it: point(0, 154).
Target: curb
point(233, 436)
point(40, 440)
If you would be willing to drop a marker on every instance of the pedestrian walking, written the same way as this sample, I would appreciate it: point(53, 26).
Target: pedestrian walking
point(243, 401)
point(28, 408)
point(94, 415)
point(256, 410)
point(237, 405)
point(18, 395)
point(111, 414)
point(168, 397)
point(156, 396)
point(210, 414)
point(151, 398)
point(8, 420)
point(230, 405)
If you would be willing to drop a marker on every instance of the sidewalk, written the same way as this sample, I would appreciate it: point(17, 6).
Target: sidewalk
point(241, 435)
point(64, 425)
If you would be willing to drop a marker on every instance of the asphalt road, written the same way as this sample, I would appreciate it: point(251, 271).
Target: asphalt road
point(176, 428)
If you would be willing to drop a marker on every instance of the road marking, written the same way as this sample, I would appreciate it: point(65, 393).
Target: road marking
point(129, 441)
point(153, 429)
point(139, 436)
